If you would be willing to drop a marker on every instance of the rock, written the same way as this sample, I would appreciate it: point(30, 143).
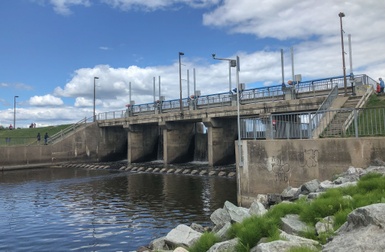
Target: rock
point(204, 172)
point(279, 246)
point(180, 249)
point(222, 174)
point(363, 231)
point(309, 187)
point(212, 173)
point(289, 193)
point(182, 235)
point(159, 244)
point(257, 209)
point(224, 246)
point(237, 214)
point(325, 225)
point(220, 217)
point(297, 239)
point(231, 174)
point(197, 227)
point(291, 224)
point(222, 232)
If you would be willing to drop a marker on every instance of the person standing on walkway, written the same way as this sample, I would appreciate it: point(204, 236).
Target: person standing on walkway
point(46, 138)
point(382, 85)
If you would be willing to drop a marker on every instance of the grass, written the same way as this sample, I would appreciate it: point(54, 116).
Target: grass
point(27, 136)
point(337, 202)
point(205, 242)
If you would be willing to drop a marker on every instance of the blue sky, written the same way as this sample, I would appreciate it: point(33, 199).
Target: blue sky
point(50, 50)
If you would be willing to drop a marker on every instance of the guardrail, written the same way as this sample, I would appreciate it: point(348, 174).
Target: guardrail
point(311, 88)
point(365, 123)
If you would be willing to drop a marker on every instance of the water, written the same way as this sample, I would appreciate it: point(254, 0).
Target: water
point(57, 209)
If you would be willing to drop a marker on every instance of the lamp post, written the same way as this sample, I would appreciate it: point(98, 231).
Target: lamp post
point(14, 111)
point(341, 15)
point(180, 83)
point(232, 63)
point(94, 115)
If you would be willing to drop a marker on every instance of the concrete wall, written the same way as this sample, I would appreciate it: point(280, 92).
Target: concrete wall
point(142, 142)
point(272, 165)
point(221, 134)
point(86, 144)
point(178, 142)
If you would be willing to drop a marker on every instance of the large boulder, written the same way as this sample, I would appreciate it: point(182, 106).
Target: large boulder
point(292, 224)
point(237, 214)
point(220, 216)
point(363, 231)
point(182, 235)
point(224, 246)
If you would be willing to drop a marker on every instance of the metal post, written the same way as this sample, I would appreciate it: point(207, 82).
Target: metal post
point(282, 67)
point(239, 117)
point(195, 84)
point(153, 87)
point(232, 63)
point(341, 15)
point(160, 93)
point(95, 78)
point(188, 83)
point(351, 78)
point(230, 76)
point(180, 83)
point(14, 111)
point(292, 63)
point(129, 88)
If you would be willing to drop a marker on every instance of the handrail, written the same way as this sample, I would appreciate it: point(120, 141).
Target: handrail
point(359, 105)
point(69, 129)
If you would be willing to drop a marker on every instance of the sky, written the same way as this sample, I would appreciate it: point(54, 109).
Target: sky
point(51, 50)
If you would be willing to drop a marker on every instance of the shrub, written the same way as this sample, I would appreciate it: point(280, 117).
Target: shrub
point(206, 241)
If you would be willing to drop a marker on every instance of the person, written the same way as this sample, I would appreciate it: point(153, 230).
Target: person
point(38, 137)
point(10, 127)
point(46, 138)
point(382, 85)
point(378, 88)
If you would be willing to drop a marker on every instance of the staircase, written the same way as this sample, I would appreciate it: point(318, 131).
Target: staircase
point(344, 117)
point(336, 126)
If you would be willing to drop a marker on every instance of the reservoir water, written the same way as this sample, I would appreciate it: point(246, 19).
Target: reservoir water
point(71, 209)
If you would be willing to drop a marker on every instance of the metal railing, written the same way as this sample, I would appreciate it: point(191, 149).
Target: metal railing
point(63, 133)
point(305, 89)
point(365, 123)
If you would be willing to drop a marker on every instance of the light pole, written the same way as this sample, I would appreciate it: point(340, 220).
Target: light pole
point(341, 15)
point(232, 63)
point(180, 83)
point(14, 111)
point(95, 78)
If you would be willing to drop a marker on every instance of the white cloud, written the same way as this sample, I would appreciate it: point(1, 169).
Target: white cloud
point(46, 100)
point(63, 6)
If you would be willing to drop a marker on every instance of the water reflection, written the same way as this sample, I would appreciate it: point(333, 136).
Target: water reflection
point(99, 210)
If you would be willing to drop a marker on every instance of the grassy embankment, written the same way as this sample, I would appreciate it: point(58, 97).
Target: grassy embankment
point(27, 136)
point(334, 202)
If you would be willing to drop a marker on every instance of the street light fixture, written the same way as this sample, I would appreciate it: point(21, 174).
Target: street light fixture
point(180, 83)
point(232, 63)
point(341, 15)
point(14, 111)
point(94, 115)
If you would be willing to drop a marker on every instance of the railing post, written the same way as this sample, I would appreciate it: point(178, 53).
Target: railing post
point(356, 122)
point(271, 126)
point(310, 127)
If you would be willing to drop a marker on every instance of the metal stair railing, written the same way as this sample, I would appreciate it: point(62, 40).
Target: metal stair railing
point(359, 105)
point(320, 113)
point(70, 129)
